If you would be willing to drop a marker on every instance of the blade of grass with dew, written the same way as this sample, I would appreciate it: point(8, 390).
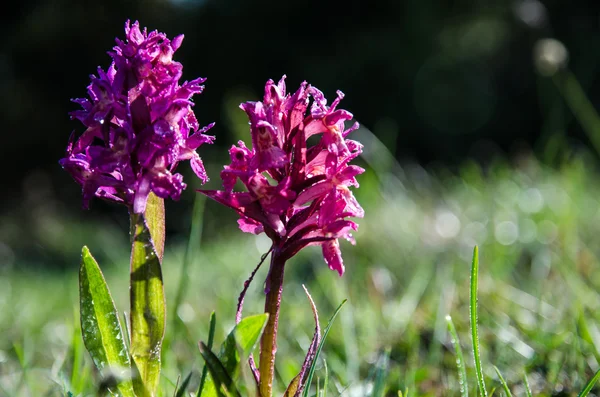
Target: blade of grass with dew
point(211, 338)
point(527, 388)
point(460, 359)
point(311, 372)
point(473, 317)
point(504, 384)
point(586, 390)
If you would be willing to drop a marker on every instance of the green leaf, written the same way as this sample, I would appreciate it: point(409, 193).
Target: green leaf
point(211, 336)
point(147, 296)
point(325, 333)
point(245, 335)
point(101, 329)
point(237, 347)
point(473, 315)
point(460, 360)
point(222, 380)
point(586, 390)
point(504, 384)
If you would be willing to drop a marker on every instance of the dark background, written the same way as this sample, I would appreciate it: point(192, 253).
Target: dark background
point(436, 81)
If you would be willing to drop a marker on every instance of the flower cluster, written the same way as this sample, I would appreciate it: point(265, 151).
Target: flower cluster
point(297, 195)
point(139, 124)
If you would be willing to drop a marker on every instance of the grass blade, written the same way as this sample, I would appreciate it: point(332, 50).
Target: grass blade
point(314, 364)
point(527, 388)
point(100, 325)
point(473, 317)
point(211, 338)
point(181, 391)
point(326, 380)
point(504, 384)
point(460, 359)
point(586, 390)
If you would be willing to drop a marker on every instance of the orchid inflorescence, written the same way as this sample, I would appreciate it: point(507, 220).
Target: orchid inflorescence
point(140, 124)
point(297, 194)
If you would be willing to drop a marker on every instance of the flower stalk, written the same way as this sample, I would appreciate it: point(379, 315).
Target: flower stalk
point(268, 343)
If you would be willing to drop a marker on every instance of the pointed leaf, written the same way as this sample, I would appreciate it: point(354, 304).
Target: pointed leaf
point(325, 333)
point(181, 391)
point(241, 341)
point(211, 336)
point(147, 296)
point(218, 373)
point(248, 332)
point(237, 347)
point(101, 329)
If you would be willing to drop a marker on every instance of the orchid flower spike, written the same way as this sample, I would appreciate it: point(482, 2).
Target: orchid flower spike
point(139, 124)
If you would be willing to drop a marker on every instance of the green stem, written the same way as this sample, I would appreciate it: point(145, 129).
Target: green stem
point(147, 296)
point(268, 343)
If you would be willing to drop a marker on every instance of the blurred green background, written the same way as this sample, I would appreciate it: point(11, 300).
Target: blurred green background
point(466, 143)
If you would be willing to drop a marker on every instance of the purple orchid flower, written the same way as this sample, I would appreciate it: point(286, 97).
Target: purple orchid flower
point(139, 124)
point(297, 195)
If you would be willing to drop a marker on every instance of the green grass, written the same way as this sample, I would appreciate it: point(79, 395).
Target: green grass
point(537, 229)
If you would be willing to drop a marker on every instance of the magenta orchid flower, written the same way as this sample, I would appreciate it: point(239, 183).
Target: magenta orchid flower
point(139, 124)
point(297, 195)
